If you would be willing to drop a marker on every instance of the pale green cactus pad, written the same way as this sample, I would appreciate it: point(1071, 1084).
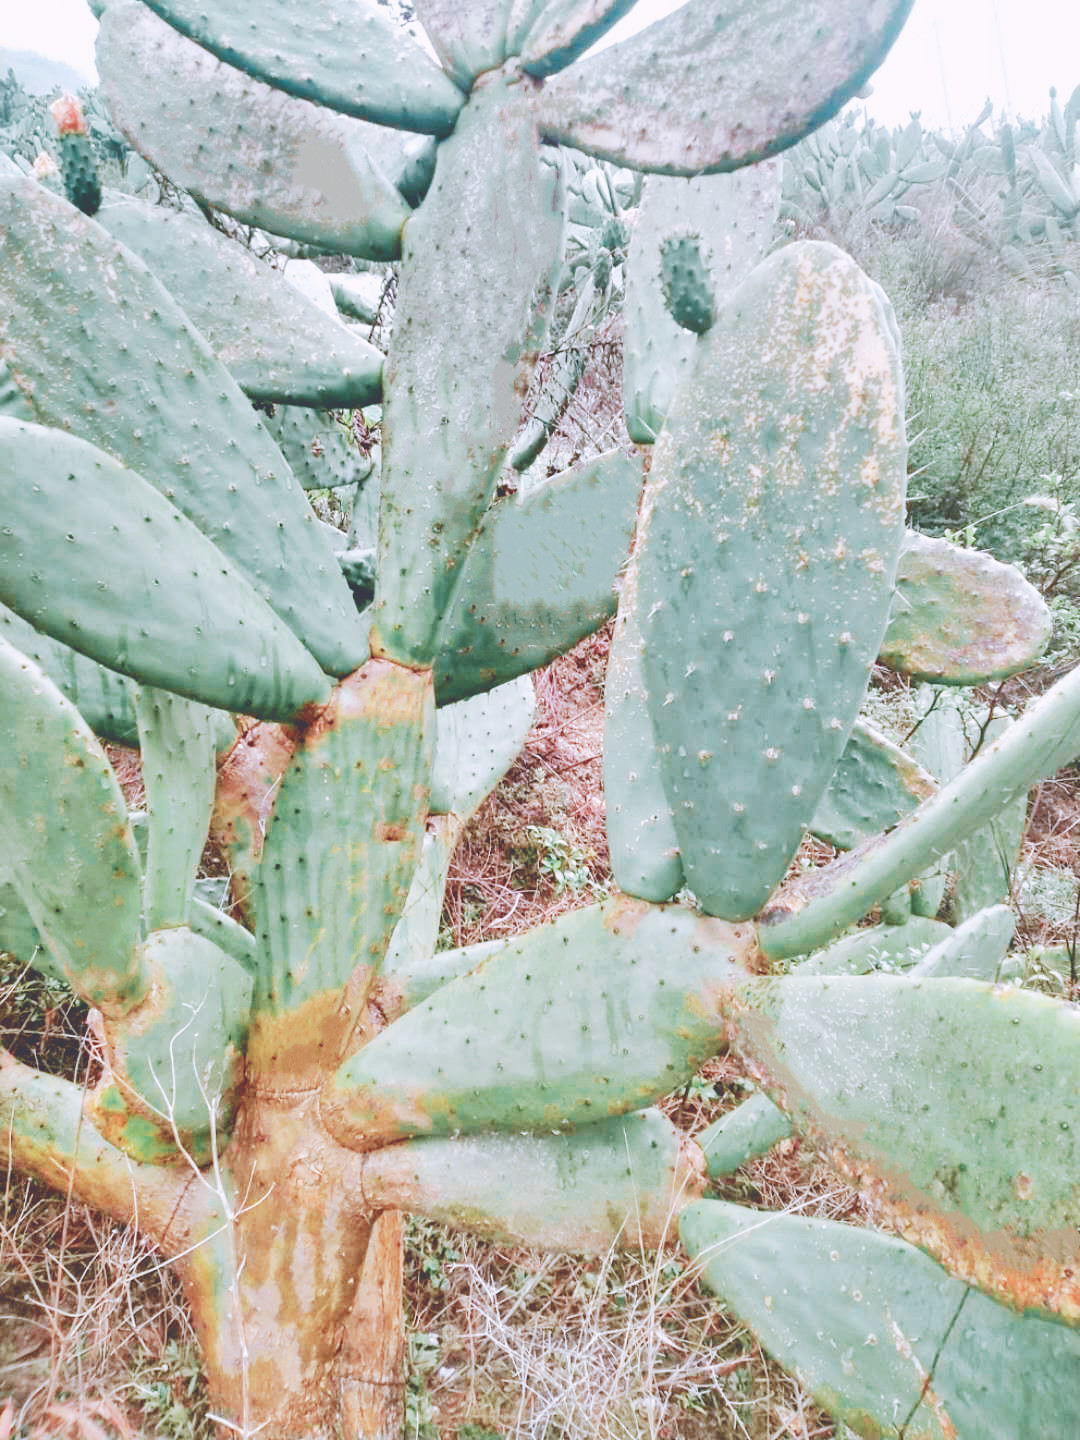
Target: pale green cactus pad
point(774, 507)
point(881, 1337)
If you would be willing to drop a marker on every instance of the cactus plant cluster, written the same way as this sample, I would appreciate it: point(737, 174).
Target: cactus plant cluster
point(280, 1081)
point(1017, 193)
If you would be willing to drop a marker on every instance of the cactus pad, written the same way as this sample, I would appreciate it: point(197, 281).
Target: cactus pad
point(595, 1014)
point(881, 1337)
point(86, 541)
point(650, 102)
point(301, 171)
point(68, 846)
point(962, 617)
point(275, 344)
point(771, 524)
point(540, 575)
point(348, 55)
point(954, 1106)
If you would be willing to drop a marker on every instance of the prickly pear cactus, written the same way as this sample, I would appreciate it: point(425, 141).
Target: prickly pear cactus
point(281, 1082)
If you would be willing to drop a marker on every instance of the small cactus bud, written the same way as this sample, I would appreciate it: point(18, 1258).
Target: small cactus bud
point(81, 184)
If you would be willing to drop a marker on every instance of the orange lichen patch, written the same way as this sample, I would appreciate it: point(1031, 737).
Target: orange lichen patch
point(292, 1051)
point(248, 778)
point(67, 112)
point(271, 1288)
point(1039, 1272)
point(363, 1120)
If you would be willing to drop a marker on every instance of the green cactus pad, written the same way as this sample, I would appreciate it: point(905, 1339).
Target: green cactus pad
point(961, 617)
point(873, 787)
point(19, 936)
point(175, 1061)
point(750, 1130)
point(567, 366)
point(468, 39)
point(68, 846)
point(415, 976)
point(177, 741)
point(360, 297)
point(275, 344)
point(650, 102)
point(1043, 740)
point(881, 1337)
point(227, 935)
point(618, 1182)
point(734, 217)
point(974, 950)
point(105, 700)
point(267, 158)
point(939, 741)
point(318, 450)
point(600, 1012)
point(341, 847)
point(970, 1147)
point(349, 55)
point(686, 283)
point(641, 837)
point(412, 969)
point(476, 742)
point(86, 541)
point(564, 29)
point(99, 348)
point(540, 575)
point(984, 866)
point(771, 523)
point(471, 264)
point(881, 947)
point(78, 166)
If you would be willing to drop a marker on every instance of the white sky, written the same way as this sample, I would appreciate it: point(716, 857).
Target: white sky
point(951, 56)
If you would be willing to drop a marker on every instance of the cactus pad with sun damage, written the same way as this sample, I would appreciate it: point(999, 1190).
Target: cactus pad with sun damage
point(970, 1147)
point(341, 847)
point(771, 524)
point(882, 1337)
point(961, 617)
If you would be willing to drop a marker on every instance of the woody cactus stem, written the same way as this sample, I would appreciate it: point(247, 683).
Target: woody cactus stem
point(281, 1084)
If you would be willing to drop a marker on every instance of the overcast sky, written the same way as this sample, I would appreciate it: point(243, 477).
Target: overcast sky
point(951, 56)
